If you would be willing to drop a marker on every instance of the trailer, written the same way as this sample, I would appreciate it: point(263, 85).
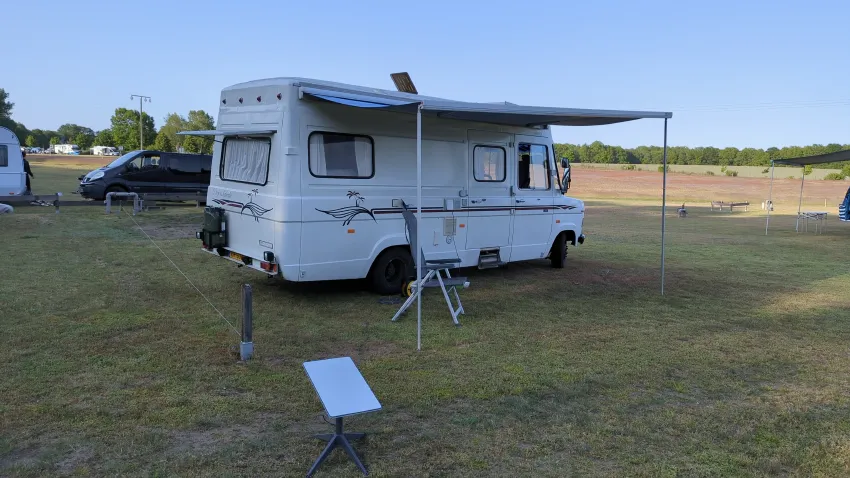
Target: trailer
point(104, 151)
point(66, 149)
point(309, 180)
point(12, 177)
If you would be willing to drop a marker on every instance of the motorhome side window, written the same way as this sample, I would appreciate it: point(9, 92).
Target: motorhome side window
point(488, 163)
point(533, 166)
point(336, 155)
point(4, 156)
point(245, 160)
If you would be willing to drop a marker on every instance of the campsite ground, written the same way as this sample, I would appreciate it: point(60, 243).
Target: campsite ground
point(110, 364)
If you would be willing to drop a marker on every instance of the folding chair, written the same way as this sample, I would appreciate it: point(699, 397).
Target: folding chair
point(433, 273)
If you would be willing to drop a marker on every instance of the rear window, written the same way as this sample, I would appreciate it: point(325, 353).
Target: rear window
point(189, 164)
point(245, 160)
point(4, 155)
point(336, 155)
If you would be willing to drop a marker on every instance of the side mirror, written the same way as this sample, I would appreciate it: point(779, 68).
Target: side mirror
point(565, 181)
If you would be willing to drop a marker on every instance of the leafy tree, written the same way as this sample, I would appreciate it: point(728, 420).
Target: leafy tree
point(6, 106)
point(199, 120)
point(104, 138)
point(69, 132)
point(163, 142)
point(83, 140)
point(125, 128)
point(174, 123)
point(31, 142)
point(54, 140)
point(807, 170)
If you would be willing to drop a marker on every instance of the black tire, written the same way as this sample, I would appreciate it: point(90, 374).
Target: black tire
point(558, 254)
point(114, 189)
point(391, 270)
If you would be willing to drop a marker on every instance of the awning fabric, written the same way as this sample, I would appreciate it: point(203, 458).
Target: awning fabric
point(231, 132)
point(816, 159)
point(495, 113)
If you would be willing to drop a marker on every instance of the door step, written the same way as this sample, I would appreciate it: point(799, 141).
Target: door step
point(490, 259)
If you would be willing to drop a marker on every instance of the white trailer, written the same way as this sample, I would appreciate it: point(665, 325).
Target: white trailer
point(66, 149)
point(104, 151)
point(12, 178)
point(309, 179)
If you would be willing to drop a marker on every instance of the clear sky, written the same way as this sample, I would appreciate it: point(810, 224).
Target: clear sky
point(734, 73)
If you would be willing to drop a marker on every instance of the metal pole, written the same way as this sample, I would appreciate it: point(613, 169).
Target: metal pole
point(141, 130)
point(664, 207)
point(141, 118)
point(800, 203)
point(246, 348)
point(417, 250)
point(769, 198)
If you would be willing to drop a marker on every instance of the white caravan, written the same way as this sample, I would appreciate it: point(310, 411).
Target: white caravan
point(12, 179)
point(66, 149)
point(310, 177)
point(104, 151)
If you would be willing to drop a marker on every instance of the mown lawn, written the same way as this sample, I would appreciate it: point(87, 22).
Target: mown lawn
point(111, 364)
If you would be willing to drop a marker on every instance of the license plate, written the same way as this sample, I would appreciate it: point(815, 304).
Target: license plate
point(236, 256)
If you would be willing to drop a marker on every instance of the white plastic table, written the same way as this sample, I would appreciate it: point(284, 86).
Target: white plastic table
point(343, 392)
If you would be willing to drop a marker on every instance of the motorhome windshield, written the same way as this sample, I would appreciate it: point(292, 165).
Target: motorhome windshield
point(122, 159)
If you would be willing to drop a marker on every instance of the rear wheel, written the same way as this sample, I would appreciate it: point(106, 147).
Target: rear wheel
point(391, 270)
point(558, 254)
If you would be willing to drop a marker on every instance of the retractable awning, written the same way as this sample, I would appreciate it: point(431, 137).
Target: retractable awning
point(494, 113)
point(230, 132)
point(835, 157)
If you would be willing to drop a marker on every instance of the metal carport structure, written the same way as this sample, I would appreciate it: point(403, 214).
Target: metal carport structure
point(803, 161)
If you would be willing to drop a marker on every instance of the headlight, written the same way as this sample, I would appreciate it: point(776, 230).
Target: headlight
point(96, 175)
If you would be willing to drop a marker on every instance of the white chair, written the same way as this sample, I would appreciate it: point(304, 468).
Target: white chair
point(433, 273)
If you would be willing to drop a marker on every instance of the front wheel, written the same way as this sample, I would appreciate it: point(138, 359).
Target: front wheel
point(390, 271)
point(558, 254)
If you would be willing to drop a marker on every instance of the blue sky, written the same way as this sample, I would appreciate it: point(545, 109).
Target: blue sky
point(734, 73)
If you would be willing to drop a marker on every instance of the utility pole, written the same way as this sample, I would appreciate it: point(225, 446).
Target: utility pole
point(141, 118)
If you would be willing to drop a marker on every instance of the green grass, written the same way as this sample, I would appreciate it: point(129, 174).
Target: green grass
point(110, 364)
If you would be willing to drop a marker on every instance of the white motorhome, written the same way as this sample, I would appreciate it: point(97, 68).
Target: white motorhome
point(310, 177)
point(104, 151)
point(12, 179)
point(66, 149)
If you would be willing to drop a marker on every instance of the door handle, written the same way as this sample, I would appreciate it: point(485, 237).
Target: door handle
point(520, 200)
point(476, 201)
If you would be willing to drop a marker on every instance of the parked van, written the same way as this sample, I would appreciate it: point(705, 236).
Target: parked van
point(310, 178)
point(149, 172)
point(66, 149)
point(12, 178)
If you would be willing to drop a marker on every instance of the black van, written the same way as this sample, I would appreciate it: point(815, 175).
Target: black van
point(149, 172)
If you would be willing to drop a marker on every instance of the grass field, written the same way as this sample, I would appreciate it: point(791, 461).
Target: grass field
point(111, 364)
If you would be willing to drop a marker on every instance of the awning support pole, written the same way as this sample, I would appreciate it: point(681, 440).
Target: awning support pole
point(417, 251)
point(800, 203)
point(664, 207)
point(769, 204)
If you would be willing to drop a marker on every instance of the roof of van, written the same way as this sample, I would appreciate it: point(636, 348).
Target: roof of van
point(8, 137)
point(498, 112)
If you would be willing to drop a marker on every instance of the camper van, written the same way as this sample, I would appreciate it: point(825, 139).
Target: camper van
point(310, 178)
point(104, 151)
point(66, 149)
point(12, 178)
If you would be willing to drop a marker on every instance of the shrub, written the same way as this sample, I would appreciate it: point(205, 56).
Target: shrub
point(731, 173)
point(710, 173)
point(628, 167)
point(835, 176)
point(722, 169)
point(661, 168)
point(765, 170)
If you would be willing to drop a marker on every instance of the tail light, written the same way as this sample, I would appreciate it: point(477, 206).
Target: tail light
point(268, 267)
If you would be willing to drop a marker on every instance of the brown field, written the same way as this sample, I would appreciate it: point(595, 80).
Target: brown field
point(698, 190)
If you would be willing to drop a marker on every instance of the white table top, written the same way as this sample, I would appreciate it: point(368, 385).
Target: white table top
point(815, 213)
point(341, 388)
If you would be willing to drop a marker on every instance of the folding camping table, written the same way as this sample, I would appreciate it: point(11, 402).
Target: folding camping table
point(818, 216)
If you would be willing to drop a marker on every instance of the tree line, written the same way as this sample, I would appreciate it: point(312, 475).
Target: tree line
point(123, 131)
point(597, 152)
